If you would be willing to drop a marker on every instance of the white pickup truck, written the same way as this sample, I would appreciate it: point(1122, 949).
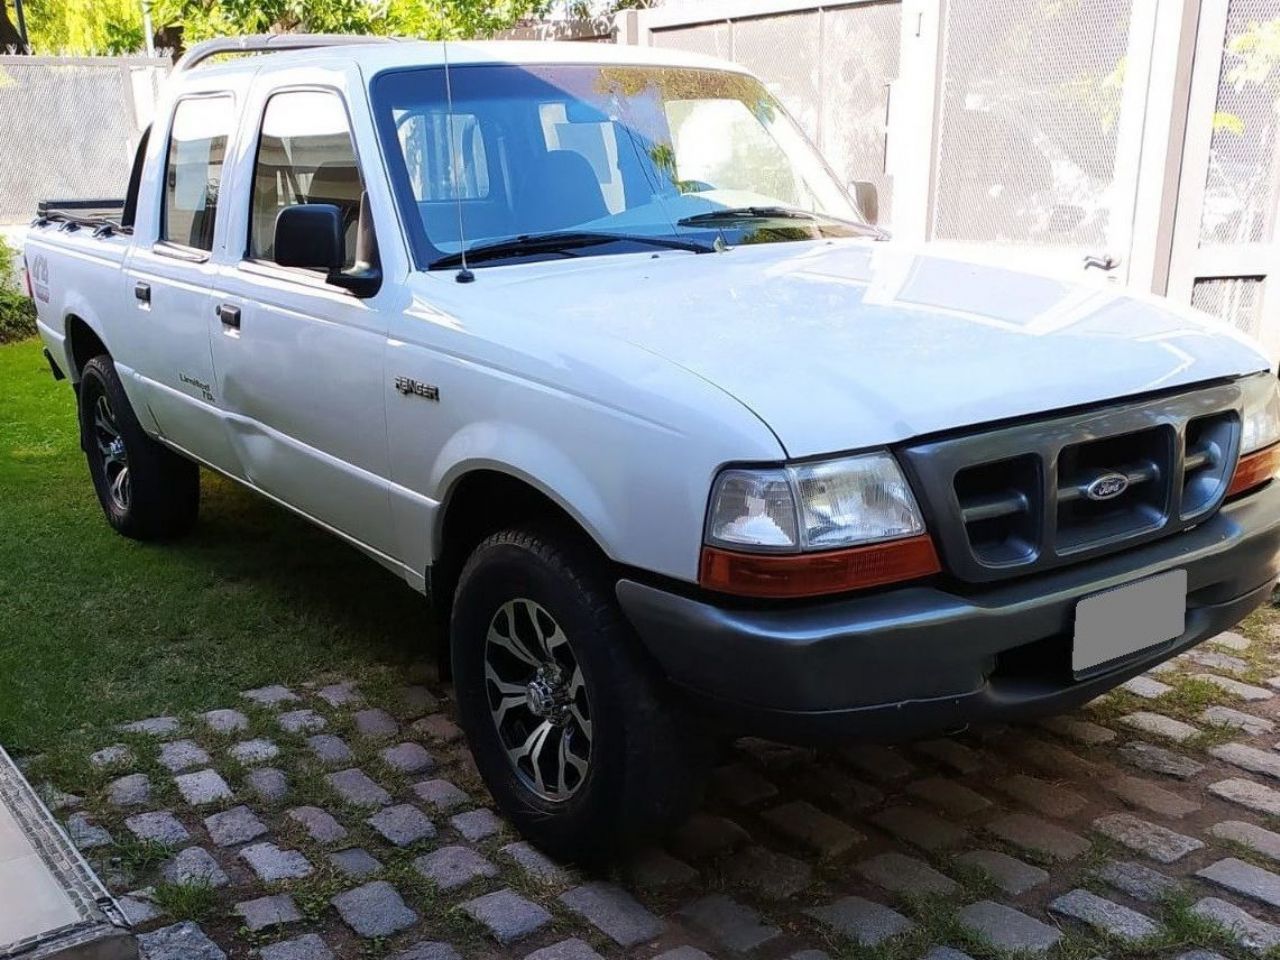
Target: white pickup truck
point(589, 345)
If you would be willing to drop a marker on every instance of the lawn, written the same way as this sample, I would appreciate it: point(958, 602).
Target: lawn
point(96, 629)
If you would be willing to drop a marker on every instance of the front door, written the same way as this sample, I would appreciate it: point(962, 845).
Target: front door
point(299, 362)
point(168, 283)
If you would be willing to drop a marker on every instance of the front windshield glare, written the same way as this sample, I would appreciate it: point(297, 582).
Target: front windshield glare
point(628, 150)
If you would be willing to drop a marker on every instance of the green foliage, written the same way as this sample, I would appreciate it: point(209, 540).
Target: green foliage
point(17, 313)
point(430, 19)
point(84, 26)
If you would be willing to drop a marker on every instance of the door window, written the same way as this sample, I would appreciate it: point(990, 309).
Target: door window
point(305, 155)
point(193, 170)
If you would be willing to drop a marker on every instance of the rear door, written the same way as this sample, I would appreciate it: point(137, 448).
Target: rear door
point(300, 362)
point(169, 274)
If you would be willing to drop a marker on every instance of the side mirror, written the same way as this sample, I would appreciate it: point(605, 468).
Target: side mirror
point(310, 235)
point(868, 200)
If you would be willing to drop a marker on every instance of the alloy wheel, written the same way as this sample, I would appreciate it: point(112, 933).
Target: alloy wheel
point(115, 459)
point(538, 699)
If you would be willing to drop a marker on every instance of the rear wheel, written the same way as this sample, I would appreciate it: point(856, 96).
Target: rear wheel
point(147, 491)
point(575, 734)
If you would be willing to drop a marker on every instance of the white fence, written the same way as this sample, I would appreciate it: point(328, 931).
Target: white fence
point(1134, 135)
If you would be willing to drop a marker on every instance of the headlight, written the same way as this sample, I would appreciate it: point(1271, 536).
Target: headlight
point(1261, 417)
point(814, 528)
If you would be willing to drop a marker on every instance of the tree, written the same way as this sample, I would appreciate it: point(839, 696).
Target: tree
point(9, 35)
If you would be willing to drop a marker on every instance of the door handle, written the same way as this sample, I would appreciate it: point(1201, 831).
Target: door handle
point(142, 292)
point(1105, 261)
point(229, 315)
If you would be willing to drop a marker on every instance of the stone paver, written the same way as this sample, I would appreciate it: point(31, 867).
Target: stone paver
point(1137, 880)
point(1155, 759)
point(375, 910)
point(408, 757)
point(179, 755)
point(949, 753)
point(1137, 792)
point(253, 752)
point(320, 825)
point(740, 785)
point(266, 912)
point(428, 950)
point(506, 916)
point(864, 921)
point(202, 788)
point(535, 864)
point(733, 925)
point(654, 869)
point(440, 795)
point(271, 696)
point(1216, 660)
point(1008, 873)
point(158, 727)
point(1158, 725)
point(454, 866)
point(920, 827)
point(329, 749)
point(225, 721)
point(1038, 836)
point(1008, 929)
point(309, 946)
point(1084, 732)
point(1105, 916)
point(1245, 879)
point(1231, 640)
point(181, 941)
point(1265, 762)
point(878, 762)
point(1050, 799)
point(355, 787)
point(268, 784)
point(437, 727)
point(342, 694)
point(1247, 793)
point(402, 825)
point(1238, 719)
point(901, 874)
point(1258, 839)
point(767, 873)
point(195, 866)
point(1146, 688)
point(86, 834)
point(571, 949)
point(804, 823)
point(139, 907)
point(117, 755)
point(705, 835)
point(355, 863)
point(1247, 930)
point(235, 826)
point(133, 790)
point(1159, 843)
point(376, 724)
point(948, 796)
point(301, 721)
point(476, 824)
point(159, 826)
point(614, 912)
point(272, 864)
point(1245, 691)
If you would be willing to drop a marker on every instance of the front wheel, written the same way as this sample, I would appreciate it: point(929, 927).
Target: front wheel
point(147, 491)
point(575, 735)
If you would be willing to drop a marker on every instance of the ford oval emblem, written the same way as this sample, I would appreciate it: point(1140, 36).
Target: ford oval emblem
point(1107, 487)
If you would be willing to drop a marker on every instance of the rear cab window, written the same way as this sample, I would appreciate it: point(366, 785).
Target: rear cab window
point(197, 151)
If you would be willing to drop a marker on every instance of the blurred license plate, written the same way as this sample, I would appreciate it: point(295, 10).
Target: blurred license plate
point(1123, 621)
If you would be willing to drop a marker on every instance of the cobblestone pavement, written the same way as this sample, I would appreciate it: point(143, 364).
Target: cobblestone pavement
point(345, 818)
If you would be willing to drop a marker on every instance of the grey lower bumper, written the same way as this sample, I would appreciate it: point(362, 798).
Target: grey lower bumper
point(922, 658)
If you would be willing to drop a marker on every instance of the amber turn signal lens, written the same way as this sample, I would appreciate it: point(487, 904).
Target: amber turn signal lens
point(1255, 469)
point(814, 574)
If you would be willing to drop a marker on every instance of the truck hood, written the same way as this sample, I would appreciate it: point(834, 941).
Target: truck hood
point(840, 345)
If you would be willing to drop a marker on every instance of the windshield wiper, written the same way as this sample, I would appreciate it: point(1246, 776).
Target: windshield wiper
point(561, 242)
point(748, 213)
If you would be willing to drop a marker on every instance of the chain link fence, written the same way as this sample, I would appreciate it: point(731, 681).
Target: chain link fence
point(69, 126)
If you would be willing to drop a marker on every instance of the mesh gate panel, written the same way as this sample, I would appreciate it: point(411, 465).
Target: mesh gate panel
point(859, 56)
point(780, 50)
point(1029, 116)
point(1240, 190)
point(712, 39)
point(1238, 300)
point(69, 131)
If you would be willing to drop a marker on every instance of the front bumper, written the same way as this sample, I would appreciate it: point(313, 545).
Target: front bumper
point(920, 659)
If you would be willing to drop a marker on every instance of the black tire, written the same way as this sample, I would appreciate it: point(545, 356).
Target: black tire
point(159, 498)
point(647, 757)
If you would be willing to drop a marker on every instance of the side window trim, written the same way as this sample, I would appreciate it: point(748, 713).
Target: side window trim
point(249, 263)
point(163, 246)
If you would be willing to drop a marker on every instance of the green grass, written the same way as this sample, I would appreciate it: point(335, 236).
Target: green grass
point(96, 629)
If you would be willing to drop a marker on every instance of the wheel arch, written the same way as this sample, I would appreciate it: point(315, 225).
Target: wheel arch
point(84, 342)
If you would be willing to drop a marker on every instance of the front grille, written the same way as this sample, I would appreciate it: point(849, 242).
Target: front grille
point(1036, 495)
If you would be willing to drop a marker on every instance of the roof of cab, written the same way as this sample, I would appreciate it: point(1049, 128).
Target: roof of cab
point(375, 56)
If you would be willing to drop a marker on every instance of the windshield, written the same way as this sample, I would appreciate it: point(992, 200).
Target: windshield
point(632, 151)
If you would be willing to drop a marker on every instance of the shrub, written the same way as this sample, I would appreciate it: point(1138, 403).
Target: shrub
point(17, 313)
